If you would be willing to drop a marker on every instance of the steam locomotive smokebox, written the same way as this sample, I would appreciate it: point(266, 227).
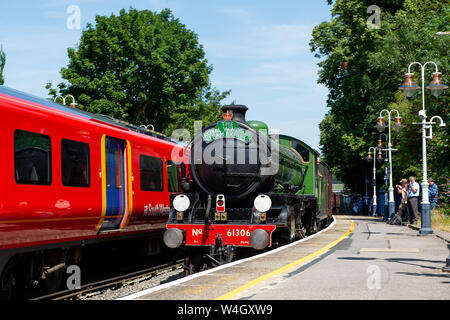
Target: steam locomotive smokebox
point(226, 157)
point(237, 112)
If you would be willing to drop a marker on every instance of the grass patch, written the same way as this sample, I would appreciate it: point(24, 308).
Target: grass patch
point(440, 220)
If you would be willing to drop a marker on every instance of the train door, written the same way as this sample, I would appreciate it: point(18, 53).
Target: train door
point(114, 168)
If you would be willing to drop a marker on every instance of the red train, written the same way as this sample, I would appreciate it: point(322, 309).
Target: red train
point(70, 178)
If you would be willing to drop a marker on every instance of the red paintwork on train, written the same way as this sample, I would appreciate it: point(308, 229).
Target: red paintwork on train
point(33, 215)
point(206, 235)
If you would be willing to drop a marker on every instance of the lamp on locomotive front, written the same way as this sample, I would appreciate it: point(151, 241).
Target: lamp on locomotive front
point(436, 86)
point(181, 203)
point(381, 126)
point(173, 237)
point(409, 87)
point(261, 205)
point(220, 208)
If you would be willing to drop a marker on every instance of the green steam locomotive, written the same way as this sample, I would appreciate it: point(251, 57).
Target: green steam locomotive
point(246, 188)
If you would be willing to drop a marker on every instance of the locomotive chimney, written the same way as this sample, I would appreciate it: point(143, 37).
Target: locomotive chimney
point(234, 112)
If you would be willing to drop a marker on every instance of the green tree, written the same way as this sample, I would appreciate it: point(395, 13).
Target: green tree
point(2, 65)
point(206, 108)
point(139, 66)
point(363, 68)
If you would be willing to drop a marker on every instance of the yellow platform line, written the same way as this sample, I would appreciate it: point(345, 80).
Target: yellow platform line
point(291, 265)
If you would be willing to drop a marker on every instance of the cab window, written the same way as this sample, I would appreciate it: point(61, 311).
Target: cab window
point(301, 150)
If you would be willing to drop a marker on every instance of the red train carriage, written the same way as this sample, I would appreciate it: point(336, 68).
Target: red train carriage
point(70, 178)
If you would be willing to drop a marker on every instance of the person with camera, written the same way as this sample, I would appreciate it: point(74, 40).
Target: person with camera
point(413, 200)
point(401, 189)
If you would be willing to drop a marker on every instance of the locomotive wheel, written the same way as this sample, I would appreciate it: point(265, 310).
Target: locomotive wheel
point(315, 225)
point(8, 281)
point(193, 264)
point(301, 231)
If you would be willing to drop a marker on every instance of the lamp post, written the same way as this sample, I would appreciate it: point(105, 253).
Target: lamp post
point(386, 168)
point(381, 126)
point(73, 104)
point(374, 184)
point(409, 87)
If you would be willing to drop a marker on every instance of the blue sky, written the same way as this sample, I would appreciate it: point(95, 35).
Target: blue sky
point(258, 49)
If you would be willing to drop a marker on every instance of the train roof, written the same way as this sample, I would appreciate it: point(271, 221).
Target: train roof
point(98, 117)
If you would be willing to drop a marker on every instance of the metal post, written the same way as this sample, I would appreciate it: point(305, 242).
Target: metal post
point(389, 149)
point(374, 198)
point(374, 204)
point(425, 215)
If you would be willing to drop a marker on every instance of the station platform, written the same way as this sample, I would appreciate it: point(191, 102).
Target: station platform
point(354, 258)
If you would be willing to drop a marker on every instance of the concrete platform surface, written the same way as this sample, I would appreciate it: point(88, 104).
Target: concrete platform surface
point(356, 258)
point(377, 261)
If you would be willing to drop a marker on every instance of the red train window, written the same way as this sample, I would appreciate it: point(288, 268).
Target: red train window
point(32, 158)
point(75, 167)
point(151, 173)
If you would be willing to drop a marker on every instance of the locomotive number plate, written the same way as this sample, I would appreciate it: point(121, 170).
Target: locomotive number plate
point(238, 235)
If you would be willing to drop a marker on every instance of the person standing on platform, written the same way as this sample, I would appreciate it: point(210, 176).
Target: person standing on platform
point(401, 189)
point(413, 200)
point(381, 203)
point(432, 193)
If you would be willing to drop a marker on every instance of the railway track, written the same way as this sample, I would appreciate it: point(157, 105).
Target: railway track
point(94, 288)
point(97, 288)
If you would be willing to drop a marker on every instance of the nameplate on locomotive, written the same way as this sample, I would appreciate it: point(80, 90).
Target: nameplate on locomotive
point(227, 129)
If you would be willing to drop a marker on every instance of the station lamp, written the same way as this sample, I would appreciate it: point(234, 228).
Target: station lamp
point(398, 124)
point(380, 157)
point(381, 126)
point(436, 86)
point(409, 87)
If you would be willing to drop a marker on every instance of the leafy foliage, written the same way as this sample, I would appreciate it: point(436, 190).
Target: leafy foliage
point(363, 68)
point(139, 66)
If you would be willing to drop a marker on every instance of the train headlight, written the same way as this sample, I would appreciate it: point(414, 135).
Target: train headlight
point(181, 203)
point(263, 203)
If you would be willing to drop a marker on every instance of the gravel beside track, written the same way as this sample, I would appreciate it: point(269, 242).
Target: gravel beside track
point(133, 286)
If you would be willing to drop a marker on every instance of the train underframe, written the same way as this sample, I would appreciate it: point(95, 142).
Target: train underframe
point(44, 268)
point(213, 238)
